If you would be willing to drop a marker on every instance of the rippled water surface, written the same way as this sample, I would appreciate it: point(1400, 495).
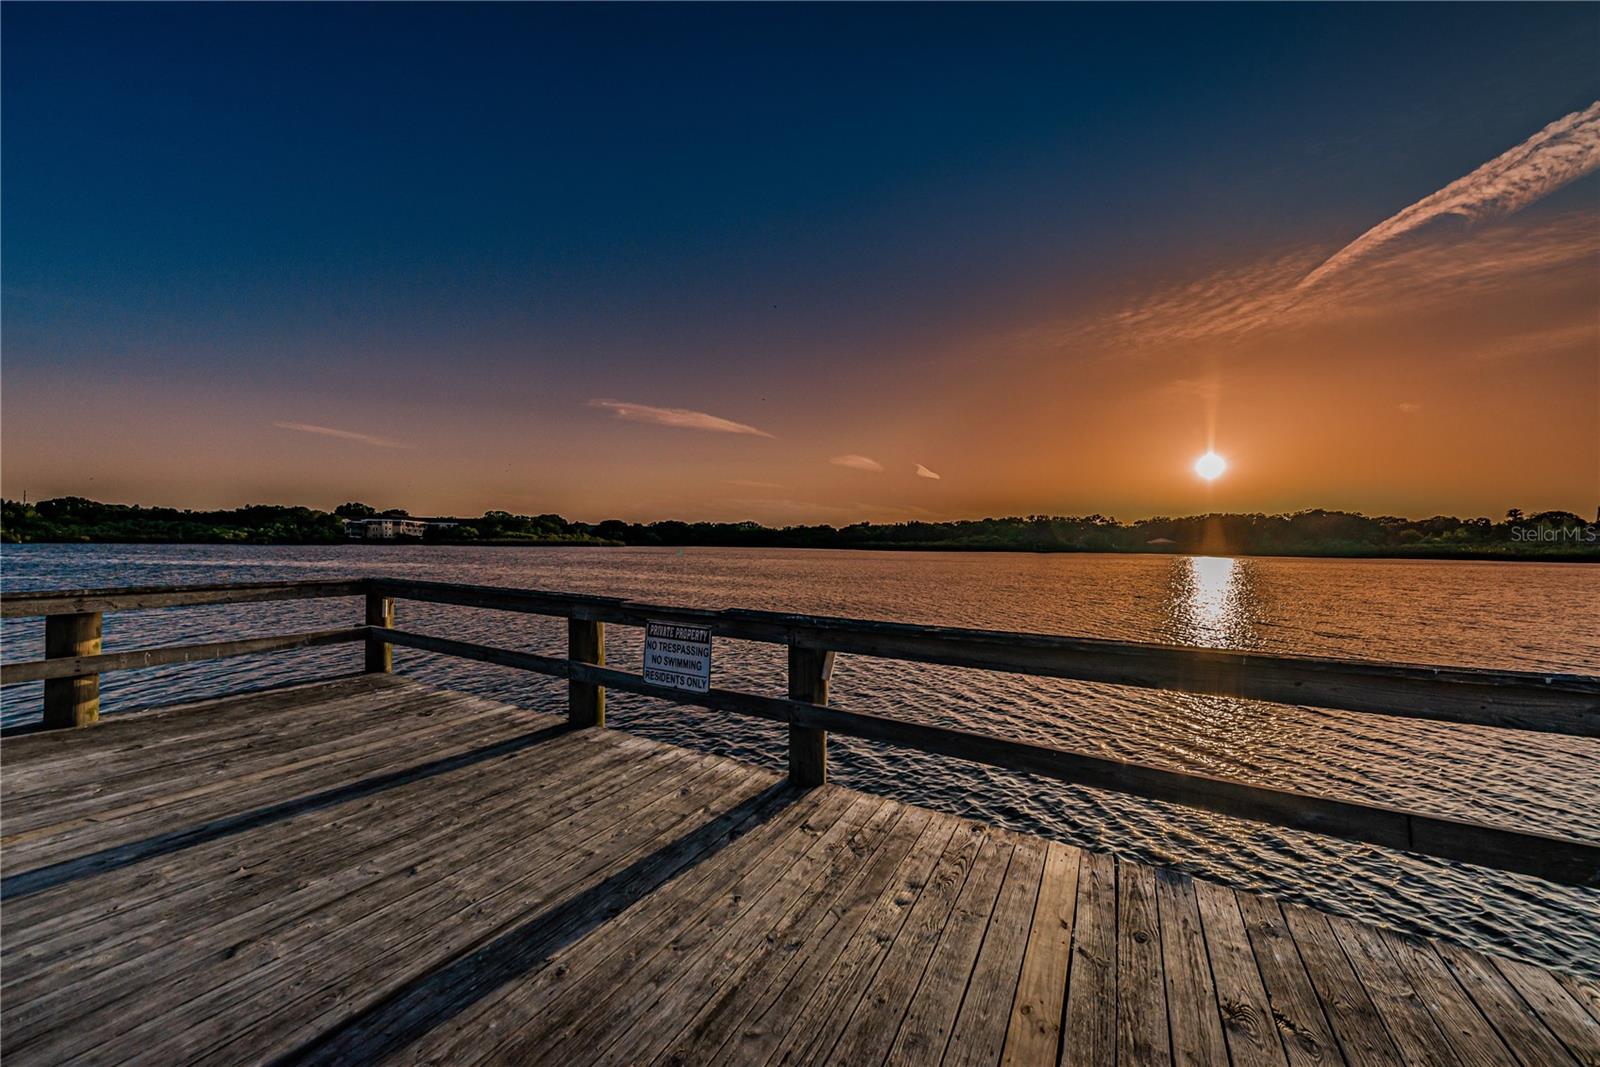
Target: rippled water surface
point(1521, 616)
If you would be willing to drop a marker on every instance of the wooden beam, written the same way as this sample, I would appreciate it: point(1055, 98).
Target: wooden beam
point(1551, 702)
point(809, 671)
point(497, 598)
point(586, 702)
point(141, 598)
point(72, 700)
point(380, 654)
point(1525, 700)
point(34, 670)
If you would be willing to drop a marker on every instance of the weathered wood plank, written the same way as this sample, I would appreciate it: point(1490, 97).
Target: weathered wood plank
point(105, 784)
point(1307, 1038)
point(865, 1036)
point(1247, 1021)
point(116, 756)
point(367, 820)
point(506, 909)
point(1349, 1010)
point(91, 842)
point(446, 1025)
point(1194, 1025)
point(143, 598)
point(469, 732)
point(801, 964)
point(746, 960)
point(1089, 1028)
point(353, 900)
point(1034, 1032)
point(146, 917)
point(979, 1034)
point(1407, 1018)
point(1142, 1029)
point(1584, 991)
point(1555, 1007)
point(457, 897)
point(1527, 1037)
point(88, 663)
point(28, 752)
point(929, 1017)
point(601, 1006)
point(1475, 1041)
point(811, 1014)
point(697, 978)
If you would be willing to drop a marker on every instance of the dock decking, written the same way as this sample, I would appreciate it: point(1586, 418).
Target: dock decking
point(370, 870)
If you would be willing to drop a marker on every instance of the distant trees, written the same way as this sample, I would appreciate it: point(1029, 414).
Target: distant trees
point(77, 519)
point(1310, 532)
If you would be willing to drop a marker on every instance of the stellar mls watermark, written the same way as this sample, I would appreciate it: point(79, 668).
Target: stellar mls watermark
point(1583, 535)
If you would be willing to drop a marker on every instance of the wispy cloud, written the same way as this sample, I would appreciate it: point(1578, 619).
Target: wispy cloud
point(1409, 407)
point(677, 418)
point(924, 472)
point(1230, 304)
point(1562, 152)
point(343, 435)
point(857, 463)
point(1543, 342)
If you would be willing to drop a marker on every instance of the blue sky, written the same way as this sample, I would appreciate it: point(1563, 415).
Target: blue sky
point(455, 226)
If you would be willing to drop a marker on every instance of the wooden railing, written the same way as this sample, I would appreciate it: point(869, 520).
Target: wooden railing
point(1551, 703)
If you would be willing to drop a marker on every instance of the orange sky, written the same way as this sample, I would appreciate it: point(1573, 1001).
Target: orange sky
point(1460, 374)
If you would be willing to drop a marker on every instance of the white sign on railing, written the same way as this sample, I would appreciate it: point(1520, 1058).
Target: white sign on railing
point(678, 657)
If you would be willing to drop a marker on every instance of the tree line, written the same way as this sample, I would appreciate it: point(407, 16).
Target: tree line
point(1547, 534)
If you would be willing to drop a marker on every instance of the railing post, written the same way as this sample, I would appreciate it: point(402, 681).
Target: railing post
point(586, 643)
point(75, 701)
point(380, 654)
point(809, 670)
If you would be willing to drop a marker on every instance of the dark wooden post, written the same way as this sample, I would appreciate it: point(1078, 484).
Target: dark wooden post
point(380, 654)
point(809, 670)
point(74, 701)
point(586, 643)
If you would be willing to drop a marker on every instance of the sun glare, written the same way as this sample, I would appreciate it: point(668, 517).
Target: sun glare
point(1210, 466)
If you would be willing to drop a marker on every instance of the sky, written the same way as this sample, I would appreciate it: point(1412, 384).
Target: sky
point(802, 264)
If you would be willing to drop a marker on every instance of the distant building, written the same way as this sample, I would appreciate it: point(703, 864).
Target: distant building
point(387, 529)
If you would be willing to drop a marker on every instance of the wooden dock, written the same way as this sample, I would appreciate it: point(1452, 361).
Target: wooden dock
point(367, 869)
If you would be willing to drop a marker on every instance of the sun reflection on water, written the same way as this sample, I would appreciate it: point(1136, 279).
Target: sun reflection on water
point(1210, 602)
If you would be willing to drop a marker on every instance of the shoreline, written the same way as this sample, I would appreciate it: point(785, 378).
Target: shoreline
point(1553, 555)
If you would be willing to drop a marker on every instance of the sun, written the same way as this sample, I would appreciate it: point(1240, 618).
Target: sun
point(1210, 466)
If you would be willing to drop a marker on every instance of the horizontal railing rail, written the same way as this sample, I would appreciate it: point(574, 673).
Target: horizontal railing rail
point(1549, 702)
point(141, 658)
point(146, 598)
point(1524, 700)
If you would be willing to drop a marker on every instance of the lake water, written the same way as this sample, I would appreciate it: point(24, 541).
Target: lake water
point(1508, 615)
